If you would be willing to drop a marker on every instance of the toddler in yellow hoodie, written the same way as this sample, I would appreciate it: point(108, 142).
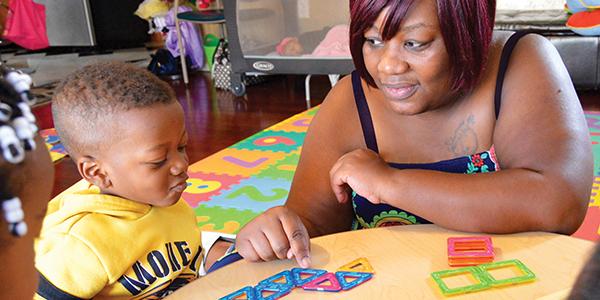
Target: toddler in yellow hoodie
point(123, 231)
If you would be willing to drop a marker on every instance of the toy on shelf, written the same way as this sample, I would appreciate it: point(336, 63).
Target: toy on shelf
point(470, 251)
point(203, 4)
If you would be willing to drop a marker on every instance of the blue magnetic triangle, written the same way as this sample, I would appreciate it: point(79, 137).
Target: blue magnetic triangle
point(298, 272)
point(272, 281)
point(247, 291)
point(360, 278)
point(279, 291)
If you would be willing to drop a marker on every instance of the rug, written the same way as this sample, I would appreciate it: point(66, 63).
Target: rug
point(232, 186)
point(52, 141)
point(236, 184)
point(590, 229)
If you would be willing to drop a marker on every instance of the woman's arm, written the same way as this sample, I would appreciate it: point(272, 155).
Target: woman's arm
point(334, 131)
point(541, 141)
point(281, 232)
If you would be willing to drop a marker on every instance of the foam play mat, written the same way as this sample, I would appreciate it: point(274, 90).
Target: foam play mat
point(230, 187)
point(55, 147)
point(590, 229)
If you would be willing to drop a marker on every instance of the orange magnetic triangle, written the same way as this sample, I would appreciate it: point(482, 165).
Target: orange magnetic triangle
point(357, 265)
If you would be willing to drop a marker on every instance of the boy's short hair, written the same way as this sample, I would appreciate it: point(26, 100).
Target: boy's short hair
point(85, 99)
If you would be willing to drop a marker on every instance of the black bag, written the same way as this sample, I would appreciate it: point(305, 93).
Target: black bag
point(222, 72)
point(221, 68)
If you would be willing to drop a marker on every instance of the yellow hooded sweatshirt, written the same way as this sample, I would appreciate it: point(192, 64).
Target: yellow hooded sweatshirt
point(103, 246)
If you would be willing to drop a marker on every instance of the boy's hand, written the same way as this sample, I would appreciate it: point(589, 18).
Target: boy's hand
point(278, 233)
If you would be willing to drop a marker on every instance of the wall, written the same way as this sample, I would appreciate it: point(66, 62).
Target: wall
point(529, 4)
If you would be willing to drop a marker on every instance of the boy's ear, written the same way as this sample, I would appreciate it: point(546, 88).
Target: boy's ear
point(91, 170)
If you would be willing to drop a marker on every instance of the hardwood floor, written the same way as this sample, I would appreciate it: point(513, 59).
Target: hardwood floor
point(590, 100)
point(217, 119)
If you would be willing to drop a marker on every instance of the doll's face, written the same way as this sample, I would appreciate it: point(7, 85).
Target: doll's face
point(32, 182)
point(293, 48)
point(412, 69)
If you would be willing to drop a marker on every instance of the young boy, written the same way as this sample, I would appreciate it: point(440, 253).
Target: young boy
point(124, 230)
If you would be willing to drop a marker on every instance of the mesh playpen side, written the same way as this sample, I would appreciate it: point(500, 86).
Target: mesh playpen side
point(287, 37)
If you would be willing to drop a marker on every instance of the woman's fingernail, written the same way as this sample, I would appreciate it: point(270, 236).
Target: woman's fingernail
point(306, 262)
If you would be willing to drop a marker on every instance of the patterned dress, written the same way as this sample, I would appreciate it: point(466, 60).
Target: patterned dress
point(369, 215)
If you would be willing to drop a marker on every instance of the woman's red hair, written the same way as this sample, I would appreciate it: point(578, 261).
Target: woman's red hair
point(466, 26)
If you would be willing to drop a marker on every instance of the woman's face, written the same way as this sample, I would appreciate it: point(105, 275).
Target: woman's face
point(412, 68)
point(33, 180)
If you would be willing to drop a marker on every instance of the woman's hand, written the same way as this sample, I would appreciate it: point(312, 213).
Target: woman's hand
point(278, 233)
point(361, 170)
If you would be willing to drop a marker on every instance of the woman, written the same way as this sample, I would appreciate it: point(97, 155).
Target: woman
point(442, 122)
point(25, 185)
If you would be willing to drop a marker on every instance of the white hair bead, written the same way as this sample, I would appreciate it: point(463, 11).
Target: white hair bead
point(11, 204)
point(18, 229)
point(14, 215)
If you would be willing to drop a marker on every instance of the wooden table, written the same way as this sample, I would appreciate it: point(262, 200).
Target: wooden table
point(404, 257)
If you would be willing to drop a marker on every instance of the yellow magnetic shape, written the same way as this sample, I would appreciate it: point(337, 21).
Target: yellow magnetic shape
point(357, 265)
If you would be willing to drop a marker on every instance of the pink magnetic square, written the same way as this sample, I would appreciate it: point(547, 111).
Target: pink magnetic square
point(479, 246)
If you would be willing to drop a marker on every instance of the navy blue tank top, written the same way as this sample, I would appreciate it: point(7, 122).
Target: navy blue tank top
point(369, 215)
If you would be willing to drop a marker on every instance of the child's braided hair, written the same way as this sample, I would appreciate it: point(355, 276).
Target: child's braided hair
point(17, 131)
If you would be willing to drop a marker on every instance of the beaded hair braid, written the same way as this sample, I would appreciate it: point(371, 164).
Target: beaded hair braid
point(17, 131)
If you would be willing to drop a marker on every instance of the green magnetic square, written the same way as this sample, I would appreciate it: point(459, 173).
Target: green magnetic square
point(483, 284)
point(526, 277)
